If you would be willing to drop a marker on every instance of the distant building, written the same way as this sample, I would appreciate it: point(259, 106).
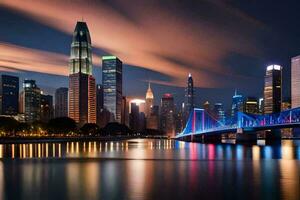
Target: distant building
point(261, 105)
point(167, 120)
point(206, 106)
point(9, 95)
point(46, 107)
point(237, 104)
point(179, 121)
point(153, 119)
point(219, 112)
point(251, 105)
point(134, 117)
point(99, 103)
point(149, 101)
point(61, 102)
point(22, 102)
point(112, 86)
point(32, 101)
point(82, 85)
point(295, 82)
point(125, 111)
point(273, 89)
point(189, 97)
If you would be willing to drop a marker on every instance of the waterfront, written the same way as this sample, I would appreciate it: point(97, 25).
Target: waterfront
point(149, 169)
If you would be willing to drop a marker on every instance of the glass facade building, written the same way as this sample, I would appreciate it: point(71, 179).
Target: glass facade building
point(82, 85)
point(237, 104)
point(189, 97)
point(32, 101)
point(112, 86)
point(61, 102)
point(46, 107)
point(295, 82)
point(167, 112)
point(9, 95)
point(273, 89)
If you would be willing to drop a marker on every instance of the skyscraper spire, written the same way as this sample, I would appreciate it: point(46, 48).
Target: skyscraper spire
point(149, 100)
point(189, 96)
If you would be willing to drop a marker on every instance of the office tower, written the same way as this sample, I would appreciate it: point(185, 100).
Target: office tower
point(32, 101)
point(99, 102)
point(273, 89)
point(149, 101)
point(295, 82)
point(22, 102)
point(237, 104)
point(134, 117)
point(251, 105)
point(61, 102)
point(112, 86)
point(167, 121)
point(189, 97)
point(219, 112)
point(82, 85)
point(153, 119)
point(9, 95)
point(46, 107)
point(125, 111)
point(179, 122)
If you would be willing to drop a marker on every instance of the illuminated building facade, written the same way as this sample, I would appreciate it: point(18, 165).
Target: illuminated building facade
point(251, 105)
point(153, 119)
point(189, 97)
point(82, 85)
point(273, 89)
point(219, 112)
point(167, 120)
point(112, 86)
point(295, 82)
point(61, 102)
point(9, 95)
point(237, 104)
point(149, 101)
point(32, 101)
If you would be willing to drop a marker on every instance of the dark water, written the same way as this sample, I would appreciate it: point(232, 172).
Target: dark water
point(149, 169)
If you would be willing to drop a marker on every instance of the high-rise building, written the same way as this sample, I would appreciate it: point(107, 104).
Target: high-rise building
point(273, 89)
point(82, 85)
point(237, 104)
point(32, 101)
point(134, 117)
point(189, 97)
point(219, 112)
point(46, 107)
point(167, 120)
point(9, 95)
point(295, 82)
point(112, 86)
point(261, 105)
point(99, 102)
point(251, 105)
point(153, 119)
point(61, 102)
point(149, 101)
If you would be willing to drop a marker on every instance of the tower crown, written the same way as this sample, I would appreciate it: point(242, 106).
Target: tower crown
point(149, 94)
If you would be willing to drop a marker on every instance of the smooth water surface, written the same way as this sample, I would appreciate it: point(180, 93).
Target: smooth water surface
point(149, 169)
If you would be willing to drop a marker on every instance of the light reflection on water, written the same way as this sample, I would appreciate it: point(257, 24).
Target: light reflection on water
point(149, 169)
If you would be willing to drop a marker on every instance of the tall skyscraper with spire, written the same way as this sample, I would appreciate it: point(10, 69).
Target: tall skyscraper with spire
point(149, 101)
point(189, 97)
point(237, 103)
point(82, 85)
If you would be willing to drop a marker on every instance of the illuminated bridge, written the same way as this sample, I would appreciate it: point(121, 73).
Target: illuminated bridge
point(204, 124)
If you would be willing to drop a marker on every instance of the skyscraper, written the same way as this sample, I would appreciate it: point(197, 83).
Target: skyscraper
point(295, 82)
point(237, 104)
point(112, 86)
point(46, 107)
point(273, 89)
point(167, 120)
point(32, 101)
point(219, 112)
point(189, 97)
point(9, 95)
point(61, 102)
point(251, 105)
point(82, 85)
point(149, 101)
point(153, 119)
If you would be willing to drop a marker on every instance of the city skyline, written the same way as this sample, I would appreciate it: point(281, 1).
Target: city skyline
point(55, 54)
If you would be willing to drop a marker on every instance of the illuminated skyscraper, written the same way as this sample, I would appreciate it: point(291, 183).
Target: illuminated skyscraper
point(82, 85)
point(61, 102)
point(167, 120)
point(9, 95)
point(219, 112)
point(273, 89)
point(112, 86)
point(32, 101)
point(189, 97)
point(251, 105)
point(237, 104)
point(295, 82)
point(149, 101)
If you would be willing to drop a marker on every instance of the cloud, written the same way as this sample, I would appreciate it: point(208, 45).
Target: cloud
point(172, 38)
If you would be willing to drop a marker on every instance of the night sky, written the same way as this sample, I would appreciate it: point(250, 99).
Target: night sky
point(224, 44)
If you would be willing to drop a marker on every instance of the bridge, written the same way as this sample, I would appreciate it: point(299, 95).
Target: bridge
point(203, 124)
